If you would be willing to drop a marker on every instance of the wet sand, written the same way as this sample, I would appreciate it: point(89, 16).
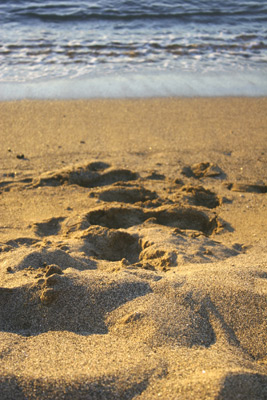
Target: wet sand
point(133, 249)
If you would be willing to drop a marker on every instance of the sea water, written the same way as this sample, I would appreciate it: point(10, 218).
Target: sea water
point(124, 48)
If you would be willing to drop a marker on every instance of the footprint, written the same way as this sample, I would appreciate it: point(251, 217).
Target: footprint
point(48, 227)
point(178, 217)
point(116, 217)
point(158, 258)
point(6, 186)
point(163, 248)
point(116, 175)
point(16, 243)
point(203, 169)
point(86, 175)
point(199, 196)
point(22, 241)
point(249, 188)
point(124, 194)
point(154, 246)
point(112, 245)
point(154, 175)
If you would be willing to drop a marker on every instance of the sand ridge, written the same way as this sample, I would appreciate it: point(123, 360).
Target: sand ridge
point(133, 280)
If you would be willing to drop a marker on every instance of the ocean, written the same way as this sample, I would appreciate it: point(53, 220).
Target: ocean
point(109, 48)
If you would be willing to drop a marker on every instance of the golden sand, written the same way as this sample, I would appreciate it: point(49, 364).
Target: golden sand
point(133, 249)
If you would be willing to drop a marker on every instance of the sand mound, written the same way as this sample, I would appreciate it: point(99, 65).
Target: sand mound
point(61, 301)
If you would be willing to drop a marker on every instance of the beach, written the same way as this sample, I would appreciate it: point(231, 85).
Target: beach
point(133, 249)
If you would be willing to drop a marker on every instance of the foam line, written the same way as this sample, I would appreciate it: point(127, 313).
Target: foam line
point(140, 85)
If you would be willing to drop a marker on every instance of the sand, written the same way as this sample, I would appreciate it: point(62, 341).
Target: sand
point(133, 249)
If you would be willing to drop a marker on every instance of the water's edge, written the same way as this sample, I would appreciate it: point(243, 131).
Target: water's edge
point(137, 85)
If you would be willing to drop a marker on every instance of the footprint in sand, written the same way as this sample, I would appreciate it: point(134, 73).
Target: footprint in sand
point(86, 175)
point(248, 188)
point(103, 232)
point(144, 234)
point(111, 244)
point(202, 170)
point(124, 193)
point(196, 196)
point(48, 227)
point(172, 216)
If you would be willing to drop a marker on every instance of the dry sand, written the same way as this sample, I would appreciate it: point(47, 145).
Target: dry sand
point(132, 249)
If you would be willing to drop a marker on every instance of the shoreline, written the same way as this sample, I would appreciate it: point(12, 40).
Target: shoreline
point(137, 98)
point(132, 248)
point(140, 85)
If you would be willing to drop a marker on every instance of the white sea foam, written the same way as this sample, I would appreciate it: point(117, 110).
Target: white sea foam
point(146, 85)
point(68, 49)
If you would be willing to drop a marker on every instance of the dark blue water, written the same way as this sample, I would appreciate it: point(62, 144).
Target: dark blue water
point(128, 48)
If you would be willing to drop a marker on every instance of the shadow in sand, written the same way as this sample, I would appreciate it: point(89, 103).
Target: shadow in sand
point(58, 303)
point(244, 387)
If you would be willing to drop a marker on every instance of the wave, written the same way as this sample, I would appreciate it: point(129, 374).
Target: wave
point(65, 38)
point(150, 47)
point(129, 11)
point(203, 18)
